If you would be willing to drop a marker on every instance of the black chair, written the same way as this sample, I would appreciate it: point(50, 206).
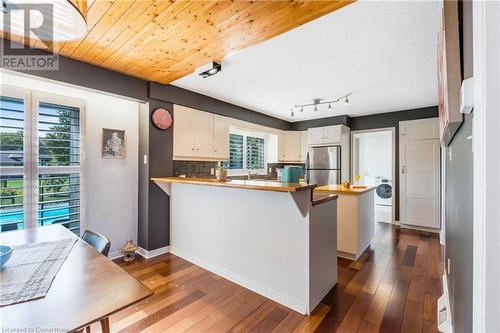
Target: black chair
point(97, 241)
point(102, 244)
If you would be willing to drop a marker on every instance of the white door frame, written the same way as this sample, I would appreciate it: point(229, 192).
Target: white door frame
point(393, 163)
point(486, 152)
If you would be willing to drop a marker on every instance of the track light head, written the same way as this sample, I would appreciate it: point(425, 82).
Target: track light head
point(216, 68)
point(329, 106)
point(346, 100)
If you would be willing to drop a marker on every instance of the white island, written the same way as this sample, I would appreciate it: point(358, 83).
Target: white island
point(274, 238)
point(355, 218)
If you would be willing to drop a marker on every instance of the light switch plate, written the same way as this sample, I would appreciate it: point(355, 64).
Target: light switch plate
point(212, 171)
point(145, 159)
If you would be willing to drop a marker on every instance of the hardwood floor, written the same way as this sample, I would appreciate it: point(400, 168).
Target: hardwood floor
point(393, 287)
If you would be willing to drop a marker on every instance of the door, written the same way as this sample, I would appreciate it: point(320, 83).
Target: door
point(419, 178)
point(221, 138)
point(202, 127)
point(323, 177)
point(315, 136)
point(332, 134)
point(184, 144)
point(324, 157)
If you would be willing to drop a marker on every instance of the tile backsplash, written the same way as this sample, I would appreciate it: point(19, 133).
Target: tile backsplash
point(201, 169)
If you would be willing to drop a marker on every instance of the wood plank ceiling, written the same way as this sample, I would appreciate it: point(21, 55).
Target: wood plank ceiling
point(164, 40)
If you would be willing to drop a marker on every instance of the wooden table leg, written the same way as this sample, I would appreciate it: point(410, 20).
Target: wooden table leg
point(105, 325)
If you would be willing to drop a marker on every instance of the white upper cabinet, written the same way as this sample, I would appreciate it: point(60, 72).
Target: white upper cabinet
point(184, 142)
point(325, 135)
point(304, 143)
point(292, 146)
point(202, 127)
point(200, 135)
point(221, 138)
point(420, 129)
point(316, 136)
point(332, 134)
point(289, 146)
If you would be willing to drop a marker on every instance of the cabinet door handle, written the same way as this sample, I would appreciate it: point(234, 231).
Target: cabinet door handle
point(403, 169)
point(192, 148)
point(197, 148)
point(215, 150)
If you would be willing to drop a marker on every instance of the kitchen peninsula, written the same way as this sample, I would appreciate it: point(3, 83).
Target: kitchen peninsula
point(277, 239)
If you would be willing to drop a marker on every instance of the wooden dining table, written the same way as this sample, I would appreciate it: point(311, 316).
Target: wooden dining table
point(87, 288)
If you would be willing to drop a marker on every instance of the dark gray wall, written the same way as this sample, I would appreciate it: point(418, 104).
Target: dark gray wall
point(330, 121)
point(459, 198)
point(160, 165)
point(188, 98)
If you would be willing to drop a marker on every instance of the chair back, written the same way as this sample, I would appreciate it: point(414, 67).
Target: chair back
point(97, 241)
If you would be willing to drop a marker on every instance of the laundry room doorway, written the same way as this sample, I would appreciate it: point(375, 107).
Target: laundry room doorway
point(373, 164)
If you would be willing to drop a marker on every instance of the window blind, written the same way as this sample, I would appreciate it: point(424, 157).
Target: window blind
point(11, 203)
point(59, 200)
point(58, 135)
point(236, 151)
point(11, 131)
point(255, 153)
point(59, 150)
point(11, 159)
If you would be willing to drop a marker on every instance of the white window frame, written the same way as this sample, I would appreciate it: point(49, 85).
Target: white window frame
point(255, 134)
point(30, 170)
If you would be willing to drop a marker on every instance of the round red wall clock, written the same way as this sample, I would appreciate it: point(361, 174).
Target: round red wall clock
point(161, 118)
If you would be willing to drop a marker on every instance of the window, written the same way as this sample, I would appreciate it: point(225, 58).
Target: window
point(246, 152)
point(40, 150)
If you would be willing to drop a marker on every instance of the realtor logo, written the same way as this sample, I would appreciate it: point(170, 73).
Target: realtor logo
point(35, 21)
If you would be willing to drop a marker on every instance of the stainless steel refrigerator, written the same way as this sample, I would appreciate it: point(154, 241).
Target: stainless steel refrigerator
point(323, 165)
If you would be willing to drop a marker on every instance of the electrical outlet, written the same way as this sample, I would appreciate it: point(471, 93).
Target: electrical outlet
point(270, 170)
point(450, 157)
point(212, 171)
point(448, 266)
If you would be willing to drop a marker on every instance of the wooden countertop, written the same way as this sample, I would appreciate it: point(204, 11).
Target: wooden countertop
point(263, 185)
point(339, 189)
point(318, 198)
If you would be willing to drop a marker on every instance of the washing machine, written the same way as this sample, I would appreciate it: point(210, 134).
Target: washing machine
point(383, 200)
point(383, 192)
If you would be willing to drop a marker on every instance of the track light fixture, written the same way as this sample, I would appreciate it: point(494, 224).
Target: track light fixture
point(216, 68)
point(318, 101)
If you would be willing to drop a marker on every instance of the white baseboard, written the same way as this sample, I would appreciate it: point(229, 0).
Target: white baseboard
point(115, 255)
point(153, 253)
point(257, 287)
point(426, 229)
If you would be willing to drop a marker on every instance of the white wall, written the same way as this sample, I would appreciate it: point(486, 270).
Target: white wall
point(111, 186)
point(375, 157)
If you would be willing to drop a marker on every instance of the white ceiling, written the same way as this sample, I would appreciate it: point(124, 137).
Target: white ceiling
point(383, 52)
